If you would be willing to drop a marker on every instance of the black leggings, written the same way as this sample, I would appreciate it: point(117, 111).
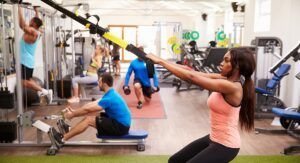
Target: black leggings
point(204, 150)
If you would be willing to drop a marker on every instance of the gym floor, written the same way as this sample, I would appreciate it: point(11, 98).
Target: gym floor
point(187, 118)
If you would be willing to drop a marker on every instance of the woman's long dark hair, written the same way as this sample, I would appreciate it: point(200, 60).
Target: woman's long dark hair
point(243, 59)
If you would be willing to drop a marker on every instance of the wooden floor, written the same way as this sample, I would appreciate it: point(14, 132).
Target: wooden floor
point(187, 119)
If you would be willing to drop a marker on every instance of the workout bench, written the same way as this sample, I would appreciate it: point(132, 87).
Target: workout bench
point(134, 137)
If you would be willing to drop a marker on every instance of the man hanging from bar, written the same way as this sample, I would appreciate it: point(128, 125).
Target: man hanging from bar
point(28, 45)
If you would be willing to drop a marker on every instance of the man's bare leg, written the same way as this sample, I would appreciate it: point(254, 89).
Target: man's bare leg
point(87, 106)
point(138, 91)
point(32, 85)
point(80, 127)
point(118, 68)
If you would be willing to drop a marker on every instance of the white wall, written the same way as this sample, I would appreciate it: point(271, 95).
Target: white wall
point(208, 28)
point(285, 25)
point(201, 27)
point(106, 20)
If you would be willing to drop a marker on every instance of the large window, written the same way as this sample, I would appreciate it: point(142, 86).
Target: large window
point(154, 39)
point(262, 19)
point(127, 33)
point(130, 35)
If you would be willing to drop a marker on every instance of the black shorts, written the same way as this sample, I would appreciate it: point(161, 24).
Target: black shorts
point(147, 91)
point(26, 72)
point(116, 58)
point(108, 126)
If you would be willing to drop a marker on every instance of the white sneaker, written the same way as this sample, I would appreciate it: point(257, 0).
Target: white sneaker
point(74, 100)
point(50, 96)
point(46, 96)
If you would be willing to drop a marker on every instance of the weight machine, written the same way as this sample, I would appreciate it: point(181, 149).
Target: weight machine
point(289, 117)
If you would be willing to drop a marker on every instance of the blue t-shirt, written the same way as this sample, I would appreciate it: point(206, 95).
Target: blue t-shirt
point(115, 107)
point(141, 73)
point(27, 52)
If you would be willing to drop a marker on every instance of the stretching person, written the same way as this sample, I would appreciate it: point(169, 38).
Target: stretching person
point(142, 84)
point(116, 120)
point(231, 102)
point(28, 44)
point(91, 75)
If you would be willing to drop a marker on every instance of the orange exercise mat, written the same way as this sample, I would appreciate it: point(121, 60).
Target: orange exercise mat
point(152, 110)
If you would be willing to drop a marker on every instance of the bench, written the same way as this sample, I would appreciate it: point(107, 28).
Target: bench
point(134, 137)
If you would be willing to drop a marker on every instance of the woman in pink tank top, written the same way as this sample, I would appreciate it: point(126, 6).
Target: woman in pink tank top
point(231, 103)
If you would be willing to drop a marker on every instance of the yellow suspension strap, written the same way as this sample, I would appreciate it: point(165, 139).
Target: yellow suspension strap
point(115, 40)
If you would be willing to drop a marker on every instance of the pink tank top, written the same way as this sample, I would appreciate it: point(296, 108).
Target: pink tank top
point(224, 120)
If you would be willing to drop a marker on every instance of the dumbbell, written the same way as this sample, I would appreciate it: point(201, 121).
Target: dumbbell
point(126, 90)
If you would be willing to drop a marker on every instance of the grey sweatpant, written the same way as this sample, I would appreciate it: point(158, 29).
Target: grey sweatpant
point(84, 80)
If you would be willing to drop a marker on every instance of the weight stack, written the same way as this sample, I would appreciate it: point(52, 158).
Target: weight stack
point(7, 100)
point(8, 132)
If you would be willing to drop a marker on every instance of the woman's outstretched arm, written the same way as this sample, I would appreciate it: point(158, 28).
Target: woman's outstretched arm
point(198, 78)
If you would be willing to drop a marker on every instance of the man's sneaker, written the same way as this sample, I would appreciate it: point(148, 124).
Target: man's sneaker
point(74, 100)
point(63, 126)
point(139, 105)
point(56, 135)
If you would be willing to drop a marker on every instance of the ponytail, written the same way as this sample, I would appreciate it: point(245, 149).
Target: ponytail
point(247, 107)
point(243, 58)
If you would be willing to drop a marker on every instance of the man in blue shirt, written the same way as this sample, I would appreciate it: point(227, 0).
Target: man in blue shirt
point(28, 45)
point(142, 83)
point(115, 121)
